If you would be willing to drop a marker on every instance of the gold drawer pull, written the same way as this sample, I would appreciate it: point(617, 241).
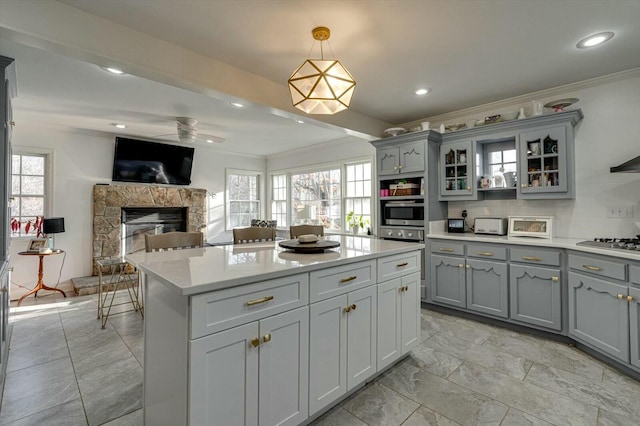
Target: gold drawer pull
point(537, 259)
point(258, 301)
point(346, 280)
point(555, 279)
point(620, 296)
point(592, 268)
point(400, 265)
point(485, 253)
point(447, 249)
point(460, 265)
point(266, 338)
point(629, 298)
point(255, 342)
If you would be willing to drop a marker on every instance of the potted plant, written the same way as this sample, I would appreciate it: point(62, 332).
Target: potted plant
point(356, 222)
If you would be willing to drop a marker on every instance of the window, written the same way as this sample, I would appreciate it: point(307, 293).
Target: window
point(279, 199)
point(500, 158)
point(316, 198)
point(358, 190)
point(243, 197)
point(28, 190)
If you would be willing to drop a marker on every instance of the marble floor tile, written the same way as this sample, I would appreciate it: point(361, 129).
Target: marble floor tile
point(466, 332)
point(377, 405)
point(455, 402)
point(492, 359)
point(611, 376)
point(439, 315)
point(29, 349)
point(67, 414)
point(607, 418)
point(132, 419)
point(433, 361)
point(425, 417)
point(101, 349)
point(518, 418)
point(526, 397)
point(34, 389)
point(110, 391)
point(338, 416)
point(585, 390)
point(430, 326)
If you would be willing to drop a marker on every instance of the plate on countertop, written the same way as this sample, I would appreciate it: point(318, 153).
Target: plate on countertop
point(395, 131)
point(317, 247)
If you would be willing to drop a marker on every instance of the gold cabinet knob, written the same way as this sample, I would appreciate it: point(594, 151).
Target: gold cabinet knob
point(460, 265)
point(395, 167)
point(468, 266)
point(353, 307)
point(399, 167)
point(629, 298)
point(468, 188)
point(620, 296)
point(12, 123)
point(555, 279)
point(266, 338)
point(347, 309)
point(524, 185)
point(255, 342)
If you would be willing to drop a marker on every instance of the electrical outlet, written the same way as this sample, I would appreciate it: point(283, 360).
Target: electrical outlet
point(620, 212)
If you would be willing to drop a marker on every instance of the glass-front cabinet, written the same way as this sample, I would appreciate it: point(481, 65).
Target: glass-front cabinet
point(457, 171)
point(543, 161)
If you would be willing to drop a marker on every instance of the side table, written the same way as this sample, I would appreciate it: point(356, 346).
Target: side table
point(40, 284)
point(114, 274)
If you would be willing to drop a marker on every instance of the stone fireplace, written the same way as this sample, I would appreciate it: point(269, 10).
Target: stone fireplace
point(167, 205)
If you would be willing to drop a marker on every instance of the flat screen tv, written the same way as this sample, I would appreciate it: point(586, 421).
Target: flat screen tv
point(151, 162)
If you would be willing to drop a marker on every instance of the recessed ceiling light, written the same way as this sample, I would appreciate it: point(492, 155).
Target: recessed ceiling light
point(594, 40)
point(112, 70)
point(422, 91)
point(299, 121)
point(119, 125)
point(236, 104)
point(209, 141)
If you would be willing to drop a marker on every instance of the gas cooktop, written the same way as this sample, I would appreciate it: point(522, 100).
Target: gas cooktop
point(613, 243)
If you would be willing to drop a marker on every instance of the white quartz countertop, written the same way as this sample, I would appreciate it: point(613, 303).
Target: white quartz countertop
point(564, 243)
point(200, 270)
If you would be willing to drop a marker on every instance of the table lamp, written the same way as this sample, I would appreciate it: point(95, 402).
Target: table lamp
point(53, 225)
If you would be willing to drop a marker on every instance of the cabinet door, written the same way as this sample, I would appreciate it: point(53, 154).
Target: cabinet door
point(361, 335)
point(457, 174)
point(535, 295)
point(487, 287)
point(389, 329)
point(410, 312)
point(634, 316)
point(4, 316)
point(327, 352)
point(412, 157)
point(223, 378)
point(388, 161)
point(599, 314)
point(284, 368)
point(448, 281)
point(543, 163)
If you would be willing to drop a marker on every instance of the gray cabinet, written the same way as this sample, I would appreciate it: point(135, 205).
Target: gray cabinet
point(447, 283)
point(536, 296)
point(634, 325)
point(542, 163)
point(404, 158)
point(457, 171)
point(487, 287)
point(599, 314)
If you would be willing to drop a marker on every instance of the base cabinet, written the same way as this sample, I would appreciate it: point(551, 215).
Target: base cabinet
point(398, 318)
point(448, 281)
point(536, 296)
point(487, 287)
point(634, 325)
point(342, 345)
point(263, 366)
point(599, 314)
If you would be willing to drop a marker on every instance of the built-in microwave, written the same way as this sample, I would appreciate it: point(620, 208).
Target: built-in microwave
point(403, 214)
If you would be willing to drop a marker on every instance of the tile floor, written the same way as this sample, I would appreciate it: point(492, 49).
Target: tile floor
point(64, 370)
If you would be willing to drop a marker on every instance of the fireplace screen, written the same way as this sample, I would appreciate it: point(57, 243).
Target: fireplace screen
point(138, 221)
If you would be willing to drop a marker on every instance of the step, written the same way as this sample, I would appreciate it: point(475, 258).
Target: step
point(83, 286)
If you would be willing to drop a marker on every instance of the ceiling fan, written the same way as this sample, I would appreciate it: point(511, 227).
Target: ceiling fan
point(188, 133)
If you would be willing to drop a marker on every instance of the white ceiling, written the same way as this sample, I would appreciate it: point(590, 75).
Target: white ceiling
point(467, 52)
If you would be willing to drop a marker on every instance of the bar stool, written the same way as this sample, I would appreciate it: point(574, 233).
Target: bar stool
point(115, 274)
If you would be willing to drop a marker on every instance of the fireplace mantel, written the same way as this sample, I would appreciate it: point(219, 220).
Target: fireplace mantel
point(108, 200)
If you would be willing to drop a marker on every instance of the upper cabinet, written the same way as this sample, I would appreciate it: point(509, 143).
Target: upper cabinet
point(404, 158)
point(531, 158)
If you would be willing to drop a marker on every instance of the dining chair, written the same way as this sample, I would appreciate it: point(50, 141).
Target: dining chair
point(253, 234)
point(173, 241)
point(298, 230)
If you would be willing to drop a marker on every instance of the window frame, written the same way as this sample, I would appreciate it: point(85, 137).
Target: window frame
point(49, 164)
point(227, 201)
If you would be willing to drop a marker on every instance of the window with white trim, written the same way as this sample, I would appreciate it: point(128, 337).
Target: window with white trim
point(279, 199)
point(357, 198)
point(28, 192)
point(243, 197)
point(316, 198)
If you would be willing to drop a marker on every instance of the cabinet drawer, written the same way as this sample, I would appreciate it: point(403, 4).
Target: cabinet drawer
point(341, 279)
point(398, 265)
point(220, 310)
point(598, 266)
point(634, 274)
point(535, 256)
point(447, 247)
point(486, 251)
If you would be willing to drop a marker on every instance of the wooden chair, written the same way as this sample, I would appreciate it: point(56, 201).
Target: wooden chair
point(173, 241)
point(298, 230)
point(253, 234)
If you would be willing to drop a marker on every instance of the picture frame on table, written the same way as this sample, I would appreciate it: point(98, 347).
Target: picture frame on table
point(36, 244)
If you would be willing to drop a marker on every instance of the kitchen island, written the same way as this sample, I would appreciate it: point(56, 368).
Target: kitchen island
point(238, 333)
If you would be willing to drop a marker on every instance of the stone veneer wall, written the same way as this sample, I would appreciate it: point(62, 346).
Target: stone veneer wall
point(108, 201)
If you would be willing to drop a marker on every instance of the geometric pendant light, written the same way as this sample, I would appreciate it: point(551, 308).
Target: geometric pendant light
point(321, 86)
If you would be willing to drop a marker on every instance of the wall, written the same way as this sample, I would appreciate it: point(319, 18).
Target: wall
point(83, 159)
point(608, 135)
